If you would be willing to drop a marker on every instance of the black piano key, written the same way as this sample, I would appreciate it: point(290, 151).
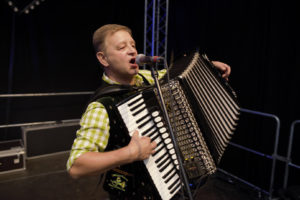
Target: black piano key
point(168, 172)
point(160, 158)
point(152, 133)
point(155, 137)
point(137, 106)
point(134, 102)
point(158, 150)
point(165, 166)
point(166, 158)
point(175, 188)
point(160, 142)
point(150, 110)
point(171, 176)
point(174, 183)
point(138, 111)
point(149, 129)
point(144, 123)
point(142, 117)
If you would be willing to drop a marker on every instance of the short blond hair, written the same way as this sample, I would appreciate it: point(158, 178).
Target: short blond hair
point(101, 33)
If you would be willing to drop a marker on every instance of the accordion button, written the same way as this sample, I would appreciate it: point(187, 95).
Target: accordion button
point(155, 114)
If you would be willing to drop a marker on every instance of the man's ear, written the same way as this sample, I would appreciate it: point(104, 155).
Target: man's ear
point(102, 58)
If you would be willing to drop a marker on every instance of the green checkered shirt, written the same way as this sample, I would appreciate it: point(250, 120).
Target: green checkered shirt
point(94, 131)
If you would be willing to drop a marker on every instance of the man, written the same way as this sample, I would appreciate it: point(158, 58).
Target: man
point(100, 144)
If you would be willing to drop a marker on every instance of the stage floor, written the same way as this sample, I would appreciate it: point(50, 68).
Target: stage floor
point(45, 178)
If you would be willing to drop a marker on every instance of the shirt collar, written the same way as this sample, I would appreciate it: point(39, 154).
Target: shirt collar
point(138, 80)
point(108, 80)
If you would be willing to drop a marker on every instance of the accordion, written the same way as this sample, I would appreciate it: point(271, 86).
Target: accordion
point(203, 111)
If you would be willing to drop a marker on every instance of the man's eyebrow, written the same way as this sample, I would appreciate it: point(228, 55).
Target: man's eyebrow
point(121, 43)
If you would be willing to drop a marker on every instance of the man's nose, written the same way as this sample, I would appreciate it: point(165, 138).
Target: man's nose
point(132, 50)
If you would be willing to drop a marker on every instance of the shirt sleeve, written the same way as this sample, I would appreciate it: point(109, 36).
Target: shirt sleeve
point(93, 133)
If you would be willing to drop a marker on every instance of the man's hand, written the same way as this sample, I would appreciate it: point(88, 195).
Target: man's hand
point(224, 68)
point(140, 148)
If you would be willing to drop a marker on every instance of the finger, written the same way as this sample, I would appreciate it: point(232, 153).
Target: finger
point(221, 66)
point(135, 134)
point(153, 144)
point(148, 139)
point(225, 75)
point(228, 70)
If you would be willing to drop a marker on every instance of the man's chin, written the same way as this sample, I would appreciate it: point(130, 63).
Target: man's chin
point(135, 71)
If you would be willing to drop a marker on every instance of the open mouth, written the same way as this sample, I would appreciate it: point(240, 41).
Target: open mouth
point(132, 61)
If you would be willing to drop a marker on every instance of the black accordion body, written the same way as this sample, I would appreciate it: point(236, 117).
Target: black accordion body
point(203, 111)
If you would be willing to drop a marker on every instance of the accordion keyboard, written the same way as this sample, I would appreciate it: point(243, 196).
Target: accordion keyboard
point(163, 164)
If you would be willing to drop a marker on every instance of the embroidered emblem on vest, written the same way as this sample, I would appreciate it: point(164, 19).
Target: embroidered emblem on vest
point(118, 181)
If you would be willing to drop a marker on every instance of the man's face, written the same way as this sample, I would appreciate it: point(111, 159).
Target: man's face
point(120, 53)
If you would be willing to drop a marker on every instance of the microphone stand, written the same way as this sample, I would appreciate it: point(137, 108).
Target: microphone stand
point(166, 116)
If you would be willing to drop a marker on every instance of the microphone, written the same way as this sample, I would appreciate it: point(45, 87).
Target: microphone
point(141, 59)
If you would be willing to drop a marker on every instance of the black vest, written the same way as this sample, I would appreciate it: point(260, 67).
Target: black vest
point(131, 181)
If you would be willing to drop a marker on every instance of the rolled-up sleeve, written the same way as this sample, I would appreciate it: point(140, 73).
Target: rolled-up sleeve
point(93, 133)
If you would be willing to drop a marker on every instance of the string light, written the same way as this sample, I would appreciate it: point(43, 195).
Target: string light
point(12, 5)
point(27, 9)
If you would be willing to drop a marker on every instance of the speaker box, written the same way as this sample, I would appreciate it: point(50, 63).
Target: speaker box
point(49, 138)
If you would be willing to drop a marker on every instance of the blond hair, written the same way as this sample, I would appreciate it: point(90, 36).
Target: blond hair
point(101, 33)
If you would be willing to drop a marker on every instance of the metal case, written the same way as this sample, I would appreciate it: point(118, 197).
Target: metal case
point(12, 156)
point(45, 139)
